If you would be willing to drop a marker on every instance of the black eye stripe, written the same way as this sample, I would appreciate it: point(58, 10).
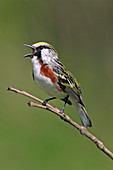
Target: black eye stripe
point(42, 47)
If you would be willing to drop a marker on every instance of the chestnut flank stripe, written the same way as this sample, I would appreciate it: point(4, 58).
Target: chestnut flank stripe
point(46, 71)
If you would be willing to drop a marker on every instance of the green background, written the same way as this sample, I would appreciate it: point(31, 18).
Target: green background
point(82, 33)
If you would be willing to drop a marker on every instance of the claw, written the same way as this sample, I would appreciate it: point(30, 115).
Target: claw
point(44, 102)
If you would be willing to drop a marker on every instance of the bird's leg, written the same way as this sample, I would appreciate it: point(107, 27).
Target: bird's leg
point(46, 101)
point(66, 99)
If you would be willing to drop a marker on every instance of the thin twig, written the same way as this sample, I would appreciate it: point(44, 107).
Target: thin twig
point(66, 118)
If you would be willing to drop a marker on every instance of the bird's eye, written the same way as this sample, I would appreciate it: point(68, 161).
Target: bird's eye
point(41, 47)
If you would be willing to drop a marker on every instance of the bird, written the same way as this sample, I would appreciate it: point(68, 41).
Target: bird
point(55, 79)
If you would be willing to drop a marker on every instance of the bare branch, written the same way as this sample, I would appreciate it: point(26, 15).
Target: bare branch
point(66, 118)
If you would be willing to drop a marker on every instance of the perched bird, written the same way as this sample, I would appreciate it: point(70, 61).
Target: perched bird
point(55, 80)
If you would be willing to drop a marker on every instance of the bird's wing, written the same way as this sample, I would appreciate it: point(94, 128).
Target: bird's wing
point(68, 82)
point(71, 86)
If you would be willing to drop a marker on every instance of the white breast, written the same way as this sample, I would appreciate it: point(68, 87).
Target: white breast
point(44, 82)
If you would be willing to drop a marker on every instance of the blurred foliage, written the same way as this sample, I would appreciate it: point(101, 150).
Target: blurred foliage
point(82, 33)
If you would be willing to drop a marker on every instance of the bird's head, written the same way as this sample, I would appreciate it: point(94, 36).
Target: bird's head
point(42, 51)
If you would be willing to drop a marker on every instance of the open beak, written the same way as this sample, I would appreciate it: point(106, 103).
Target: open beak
point(28, 45)
point(31, 54)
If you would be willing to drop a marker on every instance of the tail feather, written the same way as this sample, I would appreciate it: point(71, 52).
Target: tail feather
point(77, 101)
point(83, 114)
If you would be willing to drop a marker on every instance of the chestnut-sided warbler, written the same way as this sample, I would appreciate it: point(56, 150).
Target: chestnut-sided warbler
point(55, 80)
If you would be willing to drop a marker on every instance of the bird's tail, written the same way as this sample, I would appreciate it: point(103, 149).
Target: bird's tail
point(83, 114)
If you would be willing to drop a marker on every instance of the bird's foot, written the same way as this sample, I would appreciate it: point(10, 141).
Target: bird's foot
point(44, 102)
